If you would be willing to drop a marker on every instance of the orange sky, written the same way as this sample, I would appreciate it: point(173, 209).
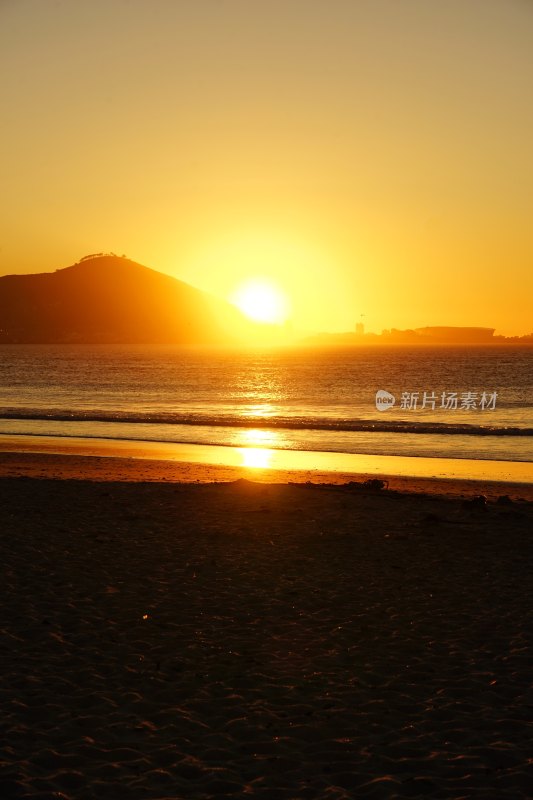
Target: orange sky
point(371, 156)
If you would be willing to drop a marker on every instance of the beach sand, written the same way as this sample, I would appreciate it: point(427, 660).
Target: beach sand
point(253, 639)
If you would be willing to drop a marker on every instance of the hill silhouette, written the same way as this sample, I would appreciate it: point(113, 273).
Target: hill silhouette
point(110, 299)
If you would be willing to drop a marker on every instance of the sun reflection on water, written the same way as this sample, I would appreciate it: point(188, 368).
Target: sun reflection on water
point(259, 410)
point(256, 457)
point(254, 436)
point(256, 451)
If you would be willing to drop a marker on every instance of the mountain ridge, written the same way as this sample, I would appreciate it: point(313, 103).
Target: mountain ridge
point(110, 299)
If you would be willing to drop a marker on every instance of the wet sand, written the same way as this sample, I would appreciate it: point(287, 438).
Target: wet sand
point(88, 461)
point(239, 639)
point(264, 461)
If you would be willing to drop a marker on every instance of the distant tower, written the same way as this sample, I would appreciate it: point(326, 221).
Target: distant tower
point(359, 327)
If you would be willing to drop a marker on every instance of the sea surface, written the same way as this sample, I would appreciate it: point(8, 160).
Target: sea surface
point(296, 398)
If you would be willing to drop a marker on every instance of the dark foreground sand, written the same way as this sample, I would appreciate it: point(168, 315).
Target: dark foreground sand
point(254, 640)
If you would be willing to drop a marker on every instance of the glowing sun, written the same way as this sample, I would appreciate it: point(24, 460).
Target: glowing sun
point(262, 301)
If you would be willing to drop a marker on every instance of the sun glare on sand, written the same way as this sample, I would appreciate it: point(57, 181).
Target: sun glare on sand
point(262, 301)
point(255, 457)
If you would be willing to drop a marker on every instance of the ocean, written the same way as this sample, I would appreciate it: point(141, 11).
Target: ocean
point(451, 402)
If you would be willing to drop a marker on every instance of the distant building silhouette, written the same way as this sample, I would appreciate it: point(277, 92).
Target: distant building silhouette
point(449, 333)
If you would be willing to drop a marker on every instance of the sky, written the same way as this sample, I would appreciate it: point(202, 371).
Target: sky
point(371, 158)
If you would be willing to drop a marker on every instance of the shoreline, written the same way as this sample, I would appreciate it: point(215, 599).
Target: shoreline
point(121, 460)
